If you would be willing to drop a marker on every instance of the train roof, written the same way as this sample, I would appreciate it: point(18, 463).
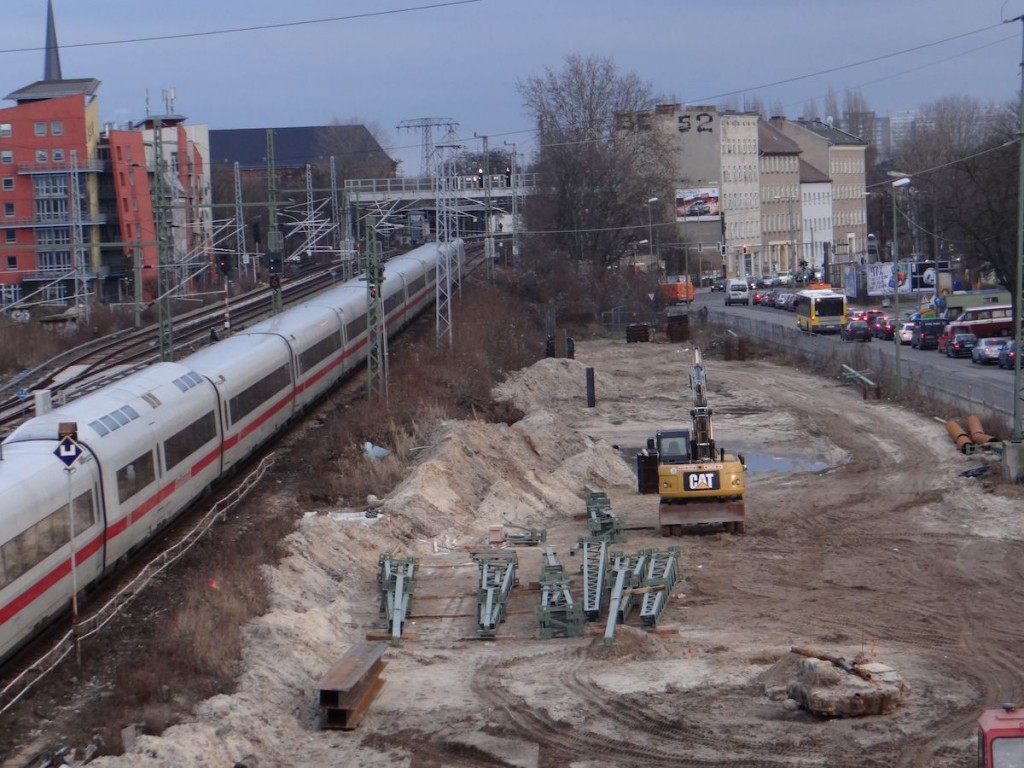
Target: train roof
point(116, 405)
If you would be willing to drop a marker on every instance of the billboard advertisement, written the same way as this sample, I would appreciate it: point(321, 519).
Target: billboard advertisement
point(915, 277)
point(698, 204)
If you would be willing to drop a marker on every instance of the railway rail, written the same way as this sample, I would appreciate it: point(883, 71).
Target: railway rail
point(95, 364)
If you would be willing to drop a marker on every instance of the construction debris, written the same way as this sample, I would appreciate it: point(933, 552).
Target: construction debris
point(831, 686)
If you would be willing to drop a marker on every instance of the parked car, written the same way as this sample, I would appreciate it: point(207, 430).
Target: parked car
point(987, 350)
point(906, 333)
point(926, 334)
point(790, 303)
point(757, 296)
point(961, 345)
point(855, 330)
point(1007, 354)
point(781, 298)
point(883, 327)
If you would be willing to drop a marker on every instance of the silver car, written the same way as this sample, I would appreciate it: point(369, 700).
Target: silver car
point(986, 351)
point(906, 333)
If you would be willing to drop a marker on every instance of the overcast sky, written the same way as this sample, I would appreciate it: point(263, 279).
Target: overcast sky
point(396, 60)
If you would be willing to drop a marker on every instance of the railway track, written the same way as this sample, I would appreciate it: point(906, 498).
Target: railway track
point(95, 364)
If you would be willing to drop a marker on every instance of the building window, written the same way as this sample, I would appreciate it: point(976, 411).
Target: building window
point(12, 263)
point(58, 155)
point(57, 127)
point(10, 236)
point(9, 210)
point(5, 130)
point(8, 183)
point(6, 157)
point(40, 128)
point(42, 156)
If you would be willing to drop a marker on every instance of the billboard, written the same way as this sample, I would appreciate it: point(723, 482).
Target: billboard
point(915, 277)
point(698, 204)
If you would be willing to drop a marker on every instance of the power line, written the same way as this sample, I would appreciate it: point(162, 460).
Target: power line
point(872, 60)
point(258, 28)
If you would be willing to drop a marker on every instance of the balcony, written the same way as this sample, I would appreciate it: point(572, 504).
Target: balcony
point(84, 166)
point(62, 220)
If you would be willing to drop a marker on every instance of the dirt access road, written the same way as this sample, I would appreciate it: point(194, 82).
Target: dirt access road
point(888, 550)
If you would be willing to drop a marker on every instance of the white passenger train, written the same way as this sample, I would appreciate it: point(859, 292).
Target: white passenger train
point(154, 441)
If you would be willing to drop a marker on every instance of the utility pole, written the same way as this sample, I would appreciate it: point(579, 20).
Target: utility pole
point(515, 206)
point(428, 125)
point(488, 235)
point(274, 239)
point(1018, 289)
point(161, 215)
point(240, 252)
point(375, 337)
point(446, 232)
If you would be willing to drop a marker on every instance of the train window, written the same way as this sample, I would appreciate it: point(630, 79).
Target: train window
point(100, 428)
point(393, 301)
point(196, 378)
point(134, 476)
point(417, 285)
point(130, 412)
point(257, 394)
point(355, 328)
point(180, 446)
point(111, 424)
point(318, 352)
point(119, 417)
point(30, 547)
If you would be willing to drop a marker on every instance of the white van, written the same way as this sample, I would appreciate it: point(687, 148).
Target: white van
point(737, 291)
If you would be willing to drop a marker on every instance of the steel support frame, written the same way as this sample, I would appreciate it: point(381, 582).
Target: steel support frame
point(497, 577)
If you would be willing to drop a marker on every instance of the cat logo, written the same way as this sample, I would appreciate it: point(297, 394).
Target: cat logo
point(702, 481)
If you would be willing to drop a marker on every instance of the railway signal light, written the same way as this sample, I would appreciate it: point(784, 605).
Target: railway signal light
point(508, 177)
point(224, 263)
point(274, 264)
point(480, 177)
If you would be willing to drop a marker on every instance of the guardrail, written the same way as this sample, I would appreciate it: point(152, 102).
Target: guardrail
point(919, 373)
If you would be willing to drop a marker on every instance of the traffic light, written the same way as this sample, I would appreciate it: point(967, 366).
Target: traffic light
point(224, 263)
point(744, 249)
point(508, 176)
point(274, 264)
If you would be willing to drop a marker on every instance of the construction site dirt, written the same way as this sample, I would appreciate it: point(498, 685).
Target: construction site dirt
point(882, 548)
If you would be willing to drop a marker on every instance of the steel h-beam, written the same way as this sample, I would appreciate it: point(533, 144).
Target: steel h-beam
point(660, 578)
point(497, 577)
point(595, 564)
point(397, 580)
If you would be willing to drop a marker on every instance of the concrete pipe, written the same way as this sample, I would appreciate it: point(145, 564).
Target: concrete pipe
point(978, 435)
point(961, 438)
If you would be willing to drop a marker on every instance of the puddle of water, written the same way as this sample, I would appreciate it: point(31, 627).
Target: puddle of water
point(756, 463)
point(762, 463)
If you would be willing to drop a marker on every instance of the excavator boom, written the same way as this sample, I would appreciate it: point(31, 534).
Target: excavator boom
point(698, 485)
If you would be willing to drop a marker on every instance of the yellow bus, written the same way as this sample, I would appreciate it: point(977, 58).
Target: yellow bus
point(820, 310)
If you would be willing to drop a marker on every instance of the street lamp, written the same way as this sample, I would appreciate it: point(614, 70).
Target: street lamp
point(902, 181)
point(636, 245)
point(650, 225)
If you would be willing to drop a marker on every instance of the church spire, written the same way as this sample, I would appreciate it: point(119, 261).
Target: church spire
point(51, 70)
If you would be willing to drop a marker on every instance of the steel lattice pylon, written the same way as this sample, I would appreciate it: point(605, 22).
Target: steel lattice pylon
point(447, 231)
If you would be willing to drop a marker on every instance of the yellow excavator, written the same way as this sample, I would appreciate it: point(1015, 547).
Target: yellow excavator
point(698, 483)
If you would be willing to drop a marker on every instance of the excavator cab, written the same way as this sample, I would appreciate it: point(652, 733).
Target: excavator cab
point(673, 446)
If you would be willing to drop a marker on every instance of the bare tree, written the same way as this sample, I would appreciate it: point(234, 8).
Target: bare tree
point(831, 106)
point(811, 111)
point(963, 161)
point(778, 109)
point(592, 175)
